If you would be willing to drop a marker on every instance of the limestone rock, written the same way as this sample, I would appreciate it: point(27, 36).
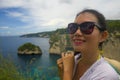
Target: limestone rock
point(55, 49)
point(29, 48)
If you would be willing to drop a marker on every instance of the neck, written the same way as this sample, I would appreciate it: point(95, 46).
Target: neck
point(89, 58)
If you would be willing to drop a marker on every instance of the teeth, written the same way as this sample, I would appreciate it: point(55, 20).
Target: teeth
point(78, 41)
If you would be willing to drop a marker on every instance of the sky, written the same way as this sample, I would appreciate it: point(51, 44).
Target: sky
point(18, 17)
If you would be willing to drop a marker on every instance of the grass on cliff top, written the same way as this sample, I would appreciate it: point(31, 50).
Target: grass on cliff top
point(8, 70)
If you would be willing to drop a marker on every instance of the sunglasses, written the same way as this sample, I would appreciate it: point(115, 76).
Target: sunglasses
point(85, 28)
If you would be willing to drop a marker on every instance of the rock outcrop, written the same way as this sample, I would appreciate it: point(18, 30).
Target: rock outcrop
point(59, 43)
point(55, 49)
point(28, 49)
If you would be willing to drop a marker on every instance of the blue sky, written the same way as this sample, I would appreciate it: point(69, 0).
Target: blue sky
point(19, 17)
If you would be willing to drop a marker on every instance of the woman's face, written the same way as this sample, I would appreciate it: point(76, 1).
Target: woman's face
point(86, 42)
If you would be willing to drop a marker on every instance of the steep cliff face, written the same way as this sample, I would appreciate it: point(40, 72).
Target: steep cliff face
point(59, 43)
point(55, 49)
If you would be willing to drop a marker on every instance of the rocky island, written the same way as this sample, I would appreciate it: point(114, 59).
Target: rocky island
point(28, 49)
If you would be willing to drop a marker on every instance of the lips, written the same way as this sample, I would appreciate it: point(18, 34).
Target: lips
point(78, 42)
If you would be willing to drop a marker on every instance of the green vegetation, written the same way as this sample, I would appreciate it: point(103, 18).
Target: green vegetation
point(113, 25)
point(28, 46)
point(41, 34)
point(61, 31)
point(8, 70)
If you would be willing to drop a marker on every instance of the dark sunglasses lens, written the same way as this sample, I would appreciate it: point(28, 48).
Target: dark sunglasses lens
point(72, 27)
point(87, 28)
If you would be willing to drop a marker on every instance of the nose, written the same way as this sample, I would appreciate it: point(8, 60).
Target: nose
point(78, 31)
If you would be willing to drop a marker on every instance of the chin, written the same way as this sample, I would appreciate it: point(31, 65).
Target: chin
point(77, 49)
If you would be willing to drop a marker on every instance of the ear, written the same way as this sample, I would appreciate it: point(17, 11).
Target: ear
point(104, 36)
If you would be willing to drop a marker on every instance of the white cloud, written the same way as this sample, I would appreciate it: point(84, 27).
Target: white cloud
point(51, 22)
point(15, 14)
point(4, 27)
point(51, 14)
point(21, 16)
point(11, 3)
point(65, 1)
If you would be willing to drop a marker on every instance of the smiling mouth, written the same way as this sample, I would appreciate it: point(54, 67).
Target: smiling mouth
point(78, 42)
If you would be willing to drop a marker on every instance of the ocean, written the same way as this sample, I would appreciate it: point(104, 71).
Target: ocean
point(41, 67)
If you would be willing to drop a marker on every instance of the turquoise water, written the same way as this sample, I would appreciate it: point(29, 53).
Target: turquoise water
point(39, 67)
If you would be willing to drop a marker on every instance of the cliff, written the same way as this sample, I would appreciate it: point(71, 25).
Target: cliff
point(29, 48)
point(59, 42)
point(40, 34)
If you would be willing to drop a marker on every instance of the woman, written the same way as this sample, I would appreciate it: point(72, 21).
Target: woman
point(87, 33)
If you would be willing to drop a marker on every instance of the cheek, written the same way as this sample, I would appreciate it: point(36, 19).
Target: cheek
point(93, 40)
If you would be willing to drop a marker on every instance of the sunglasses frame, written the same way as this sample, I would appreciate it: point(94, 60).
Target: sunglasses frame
point(76, 26)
